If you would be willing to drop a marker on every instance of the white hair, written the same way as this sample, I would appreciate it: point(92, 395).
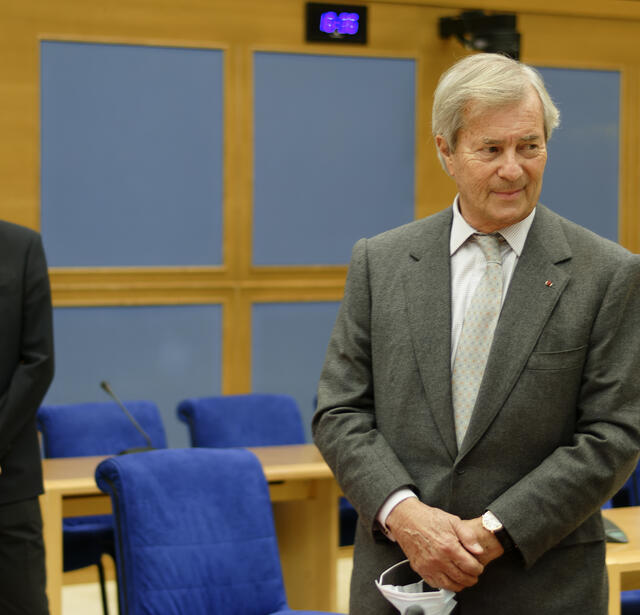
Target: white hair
point(490, 80)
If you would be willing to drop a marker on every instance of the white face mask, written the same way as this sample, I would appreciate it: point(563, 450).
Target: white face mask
point(412, 599)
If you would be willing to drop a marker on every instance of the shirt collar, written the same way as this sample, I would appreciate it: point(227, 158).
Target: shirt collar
point(515, 235)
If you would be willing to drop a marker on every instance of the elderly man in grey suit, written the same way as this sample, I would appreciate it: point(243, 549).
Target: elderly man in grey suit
point(480, 398)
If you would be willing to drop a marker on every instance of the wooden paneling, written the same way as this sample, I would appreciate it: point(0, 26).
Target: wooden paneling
point(590, 34)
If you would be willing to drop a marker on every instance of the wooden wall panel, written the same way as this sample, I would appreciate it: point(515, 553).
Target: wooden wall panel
point(592, 35)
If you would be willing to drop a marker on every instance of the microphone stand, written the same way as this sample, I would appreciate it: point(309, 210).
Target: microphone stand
point(104, 385)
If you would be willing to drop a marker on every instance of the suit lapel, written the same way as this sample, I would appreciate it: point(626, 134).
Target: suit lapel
point(527, 307)
point(427, 289)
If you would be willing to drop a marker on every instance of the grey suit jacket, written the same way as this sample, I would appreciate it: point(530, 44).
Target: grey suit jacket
point(556, 427)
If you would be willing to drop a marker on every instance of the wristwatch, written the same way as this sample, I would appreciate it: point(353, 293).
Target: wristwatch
point(492, 524)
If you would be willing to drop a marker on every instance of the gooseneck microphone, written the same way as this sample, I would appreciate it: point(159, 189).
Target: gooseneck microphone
point(104, 385)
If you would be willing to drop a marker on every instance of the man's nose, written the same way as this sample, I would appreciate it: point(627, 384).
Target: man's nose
point(510, 169)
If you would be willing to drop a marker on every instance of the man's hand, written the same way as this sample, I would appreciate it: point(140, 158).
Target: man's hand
point(491, 547)
point(445, 551)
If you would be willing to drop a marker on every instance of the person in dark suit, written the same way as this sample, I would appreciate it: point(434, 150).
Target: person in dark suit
point(478, 404)
point(26, 370)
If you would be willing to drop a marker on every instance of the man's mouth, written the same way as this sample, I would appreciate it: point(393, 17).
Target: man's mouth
point(510, 193)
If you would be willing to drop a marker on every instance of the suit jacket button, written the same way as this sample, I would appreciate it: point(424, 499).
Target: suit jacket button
point(460, 471)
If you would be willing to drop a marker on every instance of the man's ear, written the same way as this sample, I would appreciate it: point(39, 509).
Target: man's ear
point(445, 152)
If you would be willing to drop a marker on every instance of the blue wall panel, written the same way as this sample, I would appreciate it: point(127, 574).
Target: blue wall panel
point(334, 154)
point(288, 346)
point(131, 155)
point(582, 174)
point(162, 353)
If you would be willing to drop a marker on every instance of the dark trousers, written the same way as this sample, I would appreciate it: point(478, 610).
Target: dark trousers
point(22, 568)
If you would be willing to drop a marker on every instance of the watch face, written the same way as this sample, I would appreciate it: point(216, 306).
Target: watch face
point(490, 522)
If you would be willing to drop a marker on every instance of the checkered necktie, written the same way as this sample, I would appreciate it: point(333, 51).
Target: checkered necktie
point(477, 334)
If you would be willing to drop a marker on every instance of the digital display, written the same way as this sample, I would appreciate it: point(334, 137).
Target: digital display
point(339, 23)
point(336, 23)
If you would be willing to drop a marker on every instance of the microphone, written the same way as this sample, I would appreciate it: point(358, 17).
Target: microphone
point(104, 385)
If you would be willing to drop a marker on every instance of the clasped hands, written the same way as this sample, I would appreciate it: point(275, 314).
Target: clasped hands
point(444, 550)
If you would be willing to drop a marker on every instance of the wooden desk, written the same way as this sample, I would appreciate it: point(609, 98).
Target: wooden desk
point(623, 560)
point(304, 495)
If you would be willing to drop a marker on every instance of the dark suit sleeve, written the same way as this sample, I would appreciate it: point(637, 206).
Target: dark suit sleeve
point(28, 359)
point(556, 500)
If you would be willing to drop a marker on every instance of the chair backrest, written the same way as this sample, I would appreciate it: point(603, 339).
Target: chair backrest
point(242, 420)
point(194, 533)
point(629, 494)
point(97, 428)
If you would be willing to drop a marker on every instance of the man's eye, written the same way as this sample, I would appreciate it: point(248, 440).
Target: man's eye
point(530, 149)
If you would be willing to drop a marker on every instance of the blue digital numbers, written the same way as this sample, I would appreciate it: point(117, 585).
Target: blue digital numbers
point(339, 23)
point(336, 23)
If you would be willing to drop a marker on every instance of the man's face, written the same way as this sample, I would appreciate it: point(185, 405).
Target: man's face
point(498, 163)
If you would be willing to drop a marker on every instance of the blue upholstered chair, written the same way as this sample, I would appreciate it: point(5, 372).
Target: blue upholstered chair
point(194, 533)
point(77, 430)
point(630, 602)
point(254, 419)
point(629, 495)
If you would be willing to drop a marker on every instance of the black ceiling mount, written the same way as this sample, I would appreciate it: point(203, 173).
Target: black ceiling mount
point(481, 32)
